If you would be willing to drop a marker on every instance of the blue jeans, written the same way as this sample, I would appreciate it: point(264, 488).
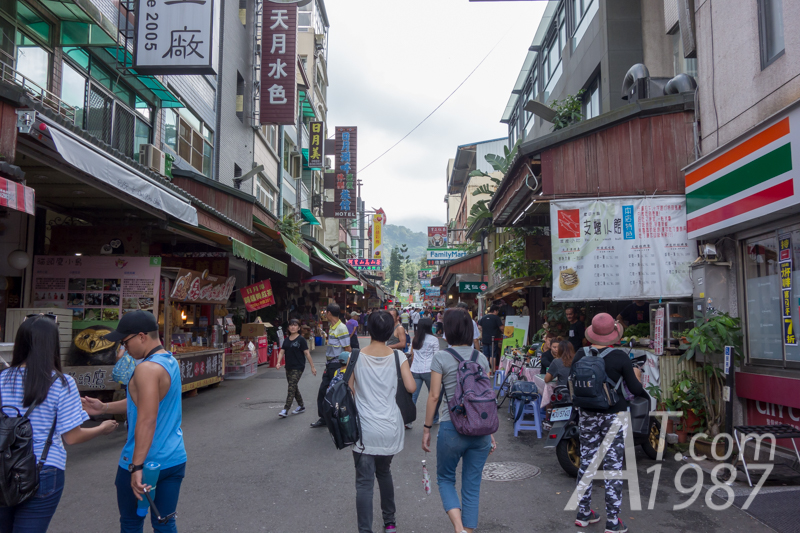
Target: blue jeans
point(452, 447)
point(419, 379)
point(168, 488)
point(34, 514)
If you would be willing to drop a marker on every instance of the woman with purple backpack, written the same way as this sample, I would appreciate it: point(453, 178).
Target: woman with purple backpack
point(453, 447)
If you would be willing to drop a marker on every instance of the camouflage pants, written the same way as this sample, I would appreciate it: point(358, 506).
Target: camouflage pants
point(593, 429)
point(293, 377)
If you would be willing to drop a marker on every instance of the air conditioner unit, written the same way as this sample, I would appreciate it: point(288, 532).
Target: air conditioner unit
point(152, 158)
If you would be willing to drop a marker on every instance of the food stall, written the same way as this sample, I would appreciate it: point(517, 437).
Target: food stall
point(194, 324)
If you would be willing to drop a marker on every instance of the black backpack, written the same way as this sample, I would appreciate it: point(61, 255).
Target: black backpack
point(589, 385)
point(339, 410)
point(19, 471)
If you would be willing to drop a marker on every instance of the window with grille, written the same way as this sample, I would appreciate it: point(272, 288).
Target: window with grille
point(265, 194)
point(98, 122)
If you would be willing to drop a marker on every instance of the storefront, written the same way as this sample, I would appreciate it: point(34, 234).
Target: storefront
point(748, 192)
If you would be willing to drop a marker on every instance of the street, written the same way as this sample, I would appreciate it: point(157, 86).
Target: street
point(250, 471)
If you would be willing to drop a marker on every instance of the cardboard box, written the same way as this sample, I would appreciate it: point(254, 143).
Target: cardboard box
point(254, 329)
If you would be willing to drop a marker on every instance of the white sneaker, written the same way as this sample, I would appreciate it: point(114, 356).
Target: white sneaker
point(283, 414)
point(300, 409)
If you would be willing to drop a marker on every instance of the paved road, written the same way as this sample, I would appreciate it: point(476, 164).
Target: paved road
point(250, 471)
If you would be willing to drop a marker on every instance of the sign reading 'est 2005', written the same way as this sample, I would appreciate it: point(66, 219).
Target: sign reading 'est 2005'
point(174, 37)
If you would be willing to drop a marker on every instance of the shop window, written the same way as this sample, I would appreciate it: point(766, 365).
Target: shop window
point(7, 42)
point(770, 18)
point(194, 140)
point(171, 129)
point(591, 99)
point(763, 290)
point(265, 194)
point(239, 97)
point(680, 64)
point(73, 90)
point(33, 62)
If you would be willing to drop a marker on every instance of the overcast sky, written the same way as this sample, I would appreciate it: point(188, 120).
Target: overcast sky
point(391, 62)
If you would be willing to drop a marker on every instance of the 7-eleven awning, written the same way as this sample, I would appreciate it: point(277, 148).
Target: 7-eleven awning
point(17, 196)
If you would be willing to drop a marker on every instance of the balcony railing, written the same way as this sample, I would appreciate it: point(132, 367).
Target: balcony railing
point(35, 92)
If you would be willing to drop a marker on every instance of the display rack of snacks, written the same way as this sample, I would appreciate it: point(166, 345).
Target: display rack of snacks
point(240, 362)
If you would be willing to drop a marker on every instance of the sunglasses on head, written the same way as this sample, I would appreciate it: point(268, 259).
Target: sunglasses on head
point(51, 316)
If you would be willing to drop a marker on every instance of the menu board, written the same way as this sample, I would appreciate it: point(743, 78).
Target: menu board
point(100, 288)
point(620, 248)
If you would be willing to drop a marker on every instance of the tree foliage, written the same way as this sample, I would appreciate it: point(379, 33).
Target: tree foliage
point(510, 258)
point(500, 163)
point(290, 227)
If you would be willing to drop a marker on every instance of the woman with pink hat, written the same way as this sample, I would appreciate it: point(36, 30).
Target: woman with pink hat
point(604, 333)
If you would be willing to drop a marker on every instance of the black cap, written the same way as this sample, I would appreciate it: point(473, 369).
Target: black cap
point(133, 323)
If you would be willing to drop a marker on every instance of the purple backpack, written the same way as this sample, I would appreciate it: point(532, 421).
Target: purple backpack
point(473, 408)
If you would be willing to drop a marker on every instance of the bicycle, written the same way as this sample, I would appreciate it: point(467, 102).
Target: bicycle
point(514, 373)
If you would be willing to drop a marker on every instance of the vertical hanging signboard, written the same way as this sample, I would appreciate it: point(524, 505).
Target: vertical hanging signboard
point(316, 152)
point(343, 180)
point(279, 64)
point(377, 236)
point(785, 268)
point(174, 37)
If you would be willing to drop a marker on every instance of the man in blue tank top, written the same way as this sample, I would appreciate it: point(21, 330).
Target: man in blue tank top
point(153, 407)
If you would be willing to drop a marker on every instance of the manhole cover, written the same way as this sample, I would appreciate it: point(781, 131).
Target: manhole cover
point(509, 471)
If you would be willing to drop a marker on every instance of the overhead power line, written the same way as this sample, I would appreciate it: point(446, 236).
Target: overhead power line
point(435, 110)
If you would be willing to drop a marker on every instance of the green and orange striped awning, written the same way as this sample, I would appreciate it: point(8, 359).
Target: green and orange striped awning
point(751, 177)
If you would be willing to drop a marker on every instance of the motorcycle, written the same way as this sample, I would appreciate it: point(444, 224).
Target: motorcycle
point(564, 433)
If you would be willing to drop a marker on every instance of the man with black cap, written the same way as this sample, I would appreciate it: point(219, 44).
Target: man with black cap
point(153, 407)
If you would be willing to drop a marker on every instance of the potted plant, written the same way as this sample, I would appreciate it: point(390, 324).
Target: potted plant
point(709, 337)
point(687, 397)
point(663, 404)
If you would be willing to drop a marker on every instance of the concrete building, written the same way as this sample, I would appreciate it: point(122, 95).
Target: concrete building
point(461, 186)
point(589, 45)
point(743, 195)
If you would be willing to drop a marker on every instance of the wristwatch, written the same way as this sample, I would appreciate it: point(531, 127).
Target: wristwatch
point(135, 468)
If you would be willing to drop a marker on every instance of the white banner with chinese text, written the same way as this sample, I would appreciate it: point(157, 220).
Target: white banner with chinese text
point(620, 248)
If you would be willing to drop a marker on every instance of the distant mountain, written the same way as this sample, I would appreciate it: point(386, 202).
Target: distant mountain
point(396, 235)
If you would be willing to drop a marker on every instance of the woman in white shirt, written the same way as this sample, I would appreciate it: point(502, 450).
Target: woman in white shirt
point(374, 381)
point(424, 345)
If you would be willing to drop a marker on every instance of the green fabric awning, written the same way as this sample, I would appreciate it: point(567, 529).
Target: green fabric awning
point(359, 288)
point(148, 83)
point(328, 259)
point(308, 109)
point(295, 251)
point(249, 253)
point(309, 217)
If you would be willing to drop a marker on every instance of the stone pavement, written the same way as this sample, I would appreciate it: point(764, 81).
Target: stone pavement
point(250, 471)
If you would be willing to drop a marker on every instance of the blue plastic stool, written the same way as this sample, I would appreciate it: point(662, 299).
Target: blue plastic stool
point(530, 408)
point(498, 378)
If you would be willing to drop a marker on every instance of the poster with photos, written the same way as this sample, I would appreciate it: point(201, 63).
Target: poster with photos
point(96, 289)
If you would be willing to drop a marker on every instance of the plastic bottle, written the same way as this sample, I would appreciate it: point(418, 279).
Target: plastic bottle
point(426, 478)
point(149, 477)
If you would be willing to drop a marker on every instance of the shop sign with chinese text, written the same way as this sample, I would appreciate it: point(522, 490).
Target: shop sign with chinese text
point(377, 236)
point(366, 264)
point(174, 37)
point(471, 286)
point(258, 296)
point(200, 370)
point(785, 268)
point(444, 255)
point(316, 149)
point(195, 287)
point(279, 64)
point(343, 182)
point(428, 273)
point(432, 291)
point(437, 236)
point(620, 249)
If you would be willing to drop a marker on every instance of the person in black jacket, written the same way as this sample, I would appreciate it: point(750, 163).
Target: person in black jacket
point(605, 332)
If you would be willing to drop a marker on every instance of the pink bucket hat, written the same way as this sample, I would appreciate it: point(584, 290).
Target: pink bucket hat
point(604, 330)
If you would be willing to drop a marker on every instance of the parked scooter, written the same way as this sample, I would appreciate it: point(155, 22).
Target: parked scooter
point(564, 433)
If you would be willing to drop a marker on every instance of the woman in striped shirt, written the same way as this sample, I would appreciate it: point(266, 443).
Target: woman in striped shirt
point(35, 378)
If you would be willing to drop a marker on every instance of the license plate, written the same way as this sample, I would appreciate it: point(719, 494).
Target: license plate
point(560, 413)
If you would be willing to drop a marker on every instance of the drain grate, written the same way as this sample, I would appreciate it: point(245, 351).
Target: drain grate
point(509, 471)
